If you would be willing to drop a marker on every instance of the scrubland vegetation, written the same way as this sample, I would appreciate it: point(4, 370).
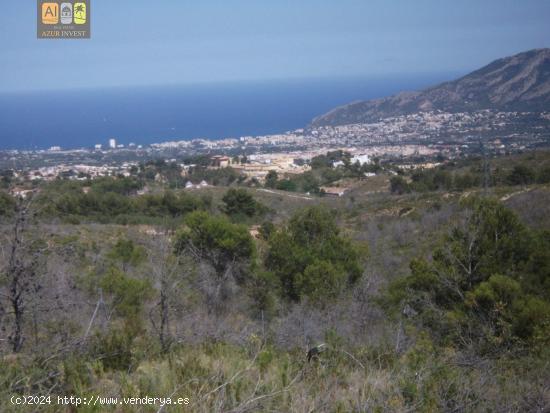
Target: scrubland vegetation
point(431, 298)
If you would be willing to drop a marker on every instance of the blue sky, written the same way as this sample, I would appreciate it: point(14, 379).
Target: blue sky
point(138, 42)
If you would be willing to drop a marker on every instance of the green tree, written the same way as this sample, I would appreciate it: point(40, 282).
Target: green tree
point(266, 229)
point(122, 186)
point(310, 250)
point(127, 253)
point(465, 181)
point(128, 294)
point(240, 202)
point(6, 177)
point(442, 180)
point(7, 204)
point(322, 281)
point(271, 179)
point(225, 246)
point(126, 297)
point(478, 288)
point(543, 176)
point(287, 185)
point(521, 175)
point(398, 185)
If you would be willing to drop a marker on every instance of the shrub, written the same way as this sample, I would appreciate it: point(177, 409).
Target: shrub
point(217, 241)
point(478, 289)
point(521, 175)
point(240, 202)
point(7, 204)
point(271, 179)
point(310, 250)
point(398, 185)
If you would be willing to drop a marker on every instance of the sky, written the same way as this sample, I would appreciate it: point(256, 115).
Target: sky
point(154, 42)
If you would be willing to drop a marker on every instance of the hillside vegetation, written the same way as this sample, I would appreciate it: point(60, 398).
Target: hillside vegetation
point(427, 295)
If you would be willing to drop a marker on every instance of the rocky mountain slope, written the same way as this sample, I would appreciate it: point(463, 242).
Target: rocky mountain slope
point(516, 83)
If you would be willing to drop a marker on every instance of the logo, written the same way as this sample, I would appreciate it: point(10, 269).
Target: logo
point(80, 13)
point(63, 19)
point(66, 13)
point(50, 13)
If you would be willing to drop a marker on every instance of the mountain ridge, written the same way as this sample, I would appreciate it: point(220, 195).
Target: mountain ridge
point(515, 83)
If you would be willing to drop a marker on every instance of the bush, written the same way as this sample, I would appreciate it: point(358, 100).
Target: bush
point(122, 186)
point(217, 241)
point(543, 176)
point(126, 252)
point(310, 250)
point(478, 289)
point(322, 281)
point(398, 185)
point(128, 294)
point(266, 229)
point(271, 179)
point(521, 175)
point(109, 203)
point(240, 202)
point(287, 185)
point(465, 181)
point(7, 204)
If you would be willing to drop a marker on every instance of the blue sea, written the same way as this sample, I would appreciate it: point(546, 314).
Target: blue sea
point(144, 115)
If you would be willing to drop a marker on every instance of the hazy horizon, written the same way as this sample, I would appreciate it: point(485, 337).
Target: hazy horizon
point(142, 43)
point(149, 114)
point(176, 70)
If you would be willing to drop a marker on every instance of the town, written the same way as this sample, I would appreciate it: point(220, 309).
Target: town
point(417, 138)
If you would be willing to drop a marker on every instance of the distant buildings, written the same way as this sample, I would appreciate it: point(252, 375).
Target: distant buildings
point(55, 148)
point(220, 161)
point(98, 146)
point(259, 165)
point(362, 159)
point(22, 192)
point(78, 171)
point(112, 143)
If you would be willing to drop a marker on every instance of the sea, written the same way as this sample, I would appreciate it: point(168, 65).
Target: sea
point(144, 115)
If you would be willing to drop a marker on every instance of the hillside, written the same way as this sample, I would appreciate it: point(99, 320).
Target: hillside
point(516, 83)
point(250, 299)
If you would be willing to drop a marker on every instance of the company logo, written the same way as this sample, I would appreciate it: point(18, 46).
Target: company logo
point(50, 13)
point(63, 19)
point(66, 13)
point(80, 13)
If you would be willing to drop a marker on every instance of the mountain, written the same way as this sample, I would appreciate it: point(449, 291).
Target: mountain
point(516, 83)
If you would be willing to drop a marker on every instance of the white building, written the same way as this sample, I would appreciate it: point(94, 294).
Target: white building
point(98, 146)
point(362, 159)
point(112, 143)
